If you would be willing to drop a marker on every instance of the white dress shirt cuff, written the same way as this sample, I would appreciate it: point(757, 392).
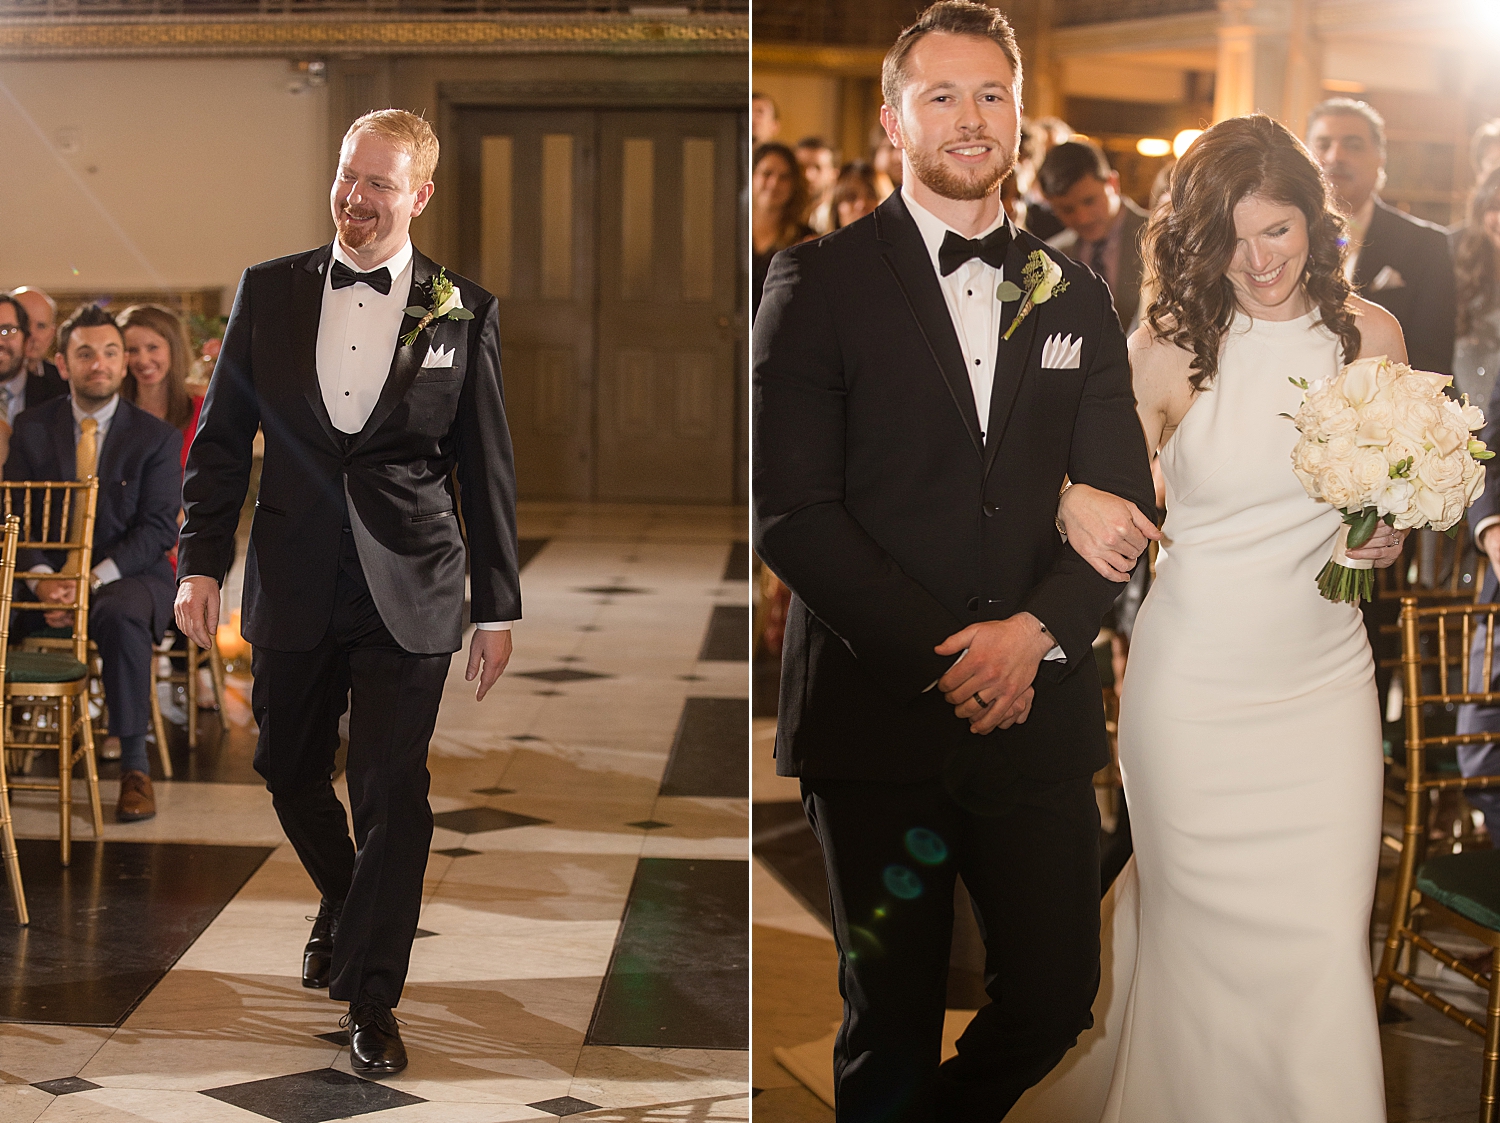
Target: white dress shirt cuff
point(1484, 525)
point(495, 626)
point(107, 571)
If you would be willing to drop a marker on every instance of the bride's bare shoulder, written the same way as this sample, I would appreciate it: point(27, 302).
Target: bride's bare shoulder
point(1379, 332)
point(1159, 368)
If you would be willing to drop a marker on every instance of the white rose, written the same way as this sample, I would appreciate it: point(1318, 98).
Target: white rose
point(1442, 473)
point(1430, 504)
point(1344, 421)
point(1336, 484)
point(1445, 441)
point(1370, 473)
point(1308, 456)
point(1473, 487)
point(1396, 498)
point(1400, 449)
point(1340, 449)
point(1420, 384)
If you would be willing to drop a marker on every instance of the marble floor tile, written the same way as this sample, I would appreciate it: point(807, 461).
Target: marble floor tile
point(142, 1105)
point(21, 1103)
point(188, 812)
point(545, 887)
point(633, 1077)
point(30, 1054)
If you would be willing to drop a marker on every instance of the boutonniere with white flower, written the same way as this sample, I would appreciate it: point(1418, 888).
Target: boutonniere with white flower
point(444, 303)
point(1044, 280)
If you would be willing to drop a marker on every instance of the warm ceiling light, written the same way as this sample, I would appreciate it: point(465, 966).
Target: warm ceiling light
point(1183, 141)
point(1153, 146)
point(1341, 86)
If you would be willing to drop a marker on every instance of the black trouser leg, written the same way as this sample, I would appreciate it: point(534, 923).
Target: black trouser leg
point(1032, 868)
point(120, 623)
point(297, 699)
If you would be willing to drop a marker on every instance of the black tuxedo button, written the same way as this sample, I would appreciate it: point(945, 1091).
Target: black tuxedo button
point(989, 511)
point(973, 605)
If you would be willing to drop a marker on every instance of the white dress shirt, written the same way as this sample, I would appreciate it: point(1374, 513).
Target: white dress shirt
point(975, 311)
point(358, 331)
point(970, 293)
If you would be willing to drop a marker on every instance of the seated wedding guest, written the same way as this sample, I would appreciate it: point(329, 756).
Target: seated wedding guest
point(821, 171)
point(138, 460)
point(19, 387)
point(1103, 226)
point(43, 312)
point(778, 198)
point(1398, 261)
point(854, 194)
point(157, 363)
point(1038, 137)
point(765, 118)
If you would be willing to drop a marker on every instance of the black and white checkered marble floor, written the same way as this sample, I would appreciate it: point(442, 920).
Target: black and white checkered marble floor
point(584, 946)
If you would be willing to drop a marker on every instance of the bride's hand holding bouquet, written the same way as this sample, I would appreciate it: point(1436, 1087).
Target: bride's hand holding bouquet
point(1383, 444)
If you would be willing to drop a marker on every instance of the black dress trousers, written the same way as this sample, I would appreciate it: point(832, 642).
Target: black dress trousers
point(298, 699)
point(1029, 859)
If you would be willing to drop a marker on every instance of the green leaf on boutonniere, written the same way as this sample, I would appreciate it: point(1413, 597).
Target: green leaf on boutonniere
point(460, 314)
point(416, 311)
point(1007, 292)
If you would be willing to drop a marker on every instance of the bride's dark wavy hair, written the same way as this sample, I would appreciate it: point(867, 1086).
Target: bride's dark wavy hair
point(1188, 246)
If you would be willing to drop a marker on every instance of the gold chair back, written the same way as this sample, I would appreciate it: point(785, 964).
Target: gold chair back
point(8, 855)
point(1451, 677)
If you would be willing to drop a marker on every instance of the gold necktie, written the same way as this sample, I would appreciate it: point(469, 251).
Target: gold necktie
point(86, 461)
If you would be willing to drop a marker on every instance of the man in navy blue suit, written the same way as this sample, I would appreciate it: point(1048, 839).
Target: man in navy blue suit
point(139, 464)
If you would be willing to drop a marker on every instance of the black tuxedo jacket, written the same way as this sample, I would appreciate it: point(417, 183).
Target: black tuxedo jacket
point(140, 489)
point(393, 479)
point(45, 386)
point(895, 524)
point(1424, 303)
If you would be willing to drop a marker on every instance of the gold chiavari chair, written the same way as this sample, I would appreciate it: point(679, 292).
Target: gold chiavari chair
point(55, 516)
point(1460, 888)
point(193, 657)
point(7, 829)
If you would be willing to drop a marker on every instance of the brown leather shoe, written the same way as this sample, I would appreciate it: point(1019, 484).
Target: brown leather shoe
point(137, 800)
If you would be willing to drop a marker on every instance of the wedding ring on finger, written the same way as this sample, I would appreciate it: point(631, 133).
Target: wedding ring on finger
point(983, 705)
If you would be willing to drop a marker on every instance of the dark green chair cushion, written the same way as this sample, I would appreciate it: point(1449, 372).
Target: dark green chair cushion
point(65, 632)
point(42, 666)
point(1467, 883)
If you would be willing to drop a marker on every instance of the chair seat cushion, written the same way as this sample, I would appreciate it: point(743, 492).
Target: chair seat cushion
point(42, 666)
point(1467, 883)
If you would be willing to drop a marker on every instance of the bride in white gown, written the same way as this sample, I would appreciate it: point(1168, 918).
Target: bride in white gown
point(1237, 978)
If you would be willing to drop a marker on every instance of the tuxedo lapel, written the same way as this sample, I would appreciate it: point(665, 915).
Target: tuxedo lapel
point(1013, 356)
point(307, 309)
point(407, 361)
point(905, 254)
point(1375, 254)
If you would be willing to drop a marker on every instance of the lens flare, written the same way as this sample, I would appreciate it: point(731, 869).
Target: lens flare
point(902, 882)
point(926, 847)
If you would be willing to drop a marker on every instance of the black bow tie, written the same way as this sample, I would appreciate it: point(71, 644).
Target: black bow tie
point(379, 280)
point(991, 249)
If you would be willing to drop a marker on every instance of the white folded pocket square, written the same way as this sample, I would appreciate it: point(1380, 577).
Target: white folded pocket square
point(438, 356)
point(1062, 352)
point(1387, 278)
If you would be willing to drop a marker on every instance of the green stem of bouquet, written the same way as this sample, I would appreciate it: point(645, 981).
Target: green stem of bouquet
point(1343, 585)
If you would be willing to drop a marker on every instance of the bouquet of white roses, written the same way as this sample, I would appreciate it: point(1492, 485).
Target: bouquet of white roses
point(1382, 442)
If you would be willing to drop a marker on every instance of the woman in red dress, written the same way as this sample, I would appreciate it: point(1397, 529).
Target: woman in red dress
point(158, 358)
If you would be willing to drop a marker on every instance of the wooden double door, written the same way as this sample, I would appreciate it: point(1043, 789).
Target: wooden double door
point(610, 239)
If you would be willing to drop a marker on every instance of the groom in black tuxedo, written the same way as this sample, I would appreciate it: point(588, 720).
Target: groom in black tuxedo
point(354, 579)
point(939, 698)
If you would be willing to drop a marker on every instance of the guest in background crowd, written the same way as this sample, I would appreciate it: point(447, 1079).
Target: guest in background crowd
point(1013, 201)
point(1484, 149)
point(136, 525)
point(854, 195)
point(43, 312)
point(19, 388)
point(1038, 138)
point(1103, 226)
point(821, 171)
point(1398, 261)
point(778, 199)
point(765, 120)
point(158, 360)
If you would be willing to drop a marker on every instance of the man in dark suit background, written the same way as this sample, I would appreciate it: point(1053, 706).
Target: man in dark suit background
point(45, 382)
point(1103, 226)
point(939, 699)
point(354, 578)
point(19, 388)
point(1400, 262)
point(138, 459)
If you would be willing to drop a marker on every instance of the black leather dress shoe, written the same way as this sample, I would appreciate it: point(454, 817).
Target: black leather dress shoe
point(317, 955)
point(375, 1047)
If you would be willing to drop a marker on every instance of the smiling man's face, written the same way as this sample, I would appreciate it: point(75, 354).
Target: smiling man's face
point(960, 116)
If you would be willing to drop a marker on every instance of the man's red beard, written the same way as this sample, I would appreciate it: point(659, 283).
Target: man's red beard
point(950, 184)
point(355, 237)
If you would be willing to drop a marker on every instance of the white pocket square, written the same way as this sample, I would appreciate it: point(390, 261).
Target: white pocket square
point(438, 356)
point(1387, 278)
point(1062, 352)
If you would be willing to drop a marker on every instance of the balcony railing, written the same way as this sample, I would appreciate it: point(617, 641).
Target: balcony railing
point(280, 10)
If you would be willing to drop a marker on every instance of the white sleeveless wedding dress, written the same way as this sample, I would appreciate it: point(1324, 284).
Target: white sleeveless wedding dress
point(1237, 972)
